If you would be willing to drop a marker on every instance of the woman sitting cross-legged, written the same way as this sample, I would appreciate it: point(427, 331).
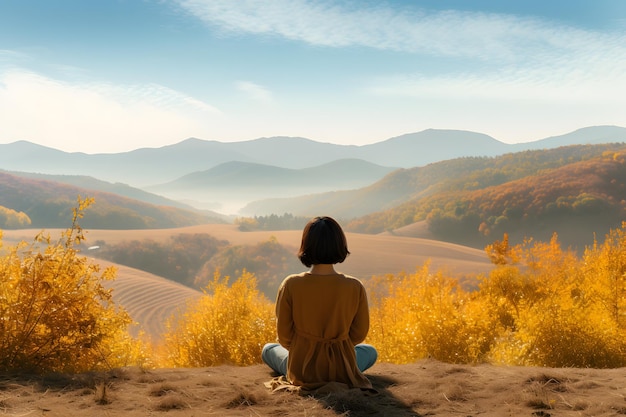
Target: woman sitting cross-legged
point(322, 317)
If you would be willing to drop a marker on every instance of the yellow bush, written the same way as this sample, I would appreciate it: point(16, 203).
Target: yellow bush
point(559, 310)
point(605, 265)
point(541, 306)
point(427, 315)
point(55, 314)
point(228, 325)
point(394, 320)
point(12, 219)
point(124, 350)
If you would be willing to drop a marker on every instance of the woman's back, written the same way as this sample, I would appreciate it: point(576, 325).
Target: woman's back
point(322, 316)
point(320, 320)
point(325, 305)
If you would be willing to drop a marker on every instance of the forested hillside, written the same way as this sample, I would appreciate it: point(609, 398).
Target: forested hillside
point(91, 183)
point(37, 203)
point(403, 185)
point(575, 191)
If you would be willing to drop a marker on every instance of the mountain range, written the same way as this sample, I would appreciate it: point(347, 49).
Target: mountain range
point(231, 177)
point(153, 166)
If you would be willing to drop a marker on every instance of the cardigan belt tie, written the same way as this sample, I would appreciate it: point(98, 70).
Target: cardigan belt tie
point(327, 344)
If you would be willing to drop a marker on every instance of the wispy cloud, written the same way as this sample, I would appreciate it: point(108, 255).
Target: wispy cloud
point(494, 55)
point(255, 91)
point(549, 83)
point(9, 57)
point(486, 36)
point(39, 107)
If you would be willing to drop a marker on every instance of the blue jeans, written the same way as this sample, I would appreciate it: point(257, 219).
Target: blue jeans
point(275, 356)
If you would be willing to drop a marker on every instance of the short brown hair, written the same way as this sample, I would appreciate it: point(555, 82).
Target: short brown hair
point(323, 242)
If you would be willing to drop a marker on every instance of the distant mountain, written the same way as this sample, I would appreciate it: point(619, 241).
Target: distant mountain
point(139, 167)
point(245, 181)
point(432, 145)
point(586, 136)
point(152, 166)
point(48, 204)
point(172, 169)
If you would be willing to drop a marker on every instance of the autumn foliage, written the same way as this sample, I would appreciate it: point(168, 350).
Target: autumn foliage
point(192, 259)
point(55, 313)
point(542, 305)
point(230, 324)
point(575, 190)
point(12, 219)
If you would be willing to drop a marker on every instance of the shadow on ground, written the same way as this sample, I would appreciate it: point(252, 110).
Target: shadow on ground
point(362, 403)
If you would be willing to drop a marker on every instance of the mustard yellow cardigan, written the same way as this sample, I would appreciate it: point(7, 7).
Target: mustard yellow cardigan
point(320, 320)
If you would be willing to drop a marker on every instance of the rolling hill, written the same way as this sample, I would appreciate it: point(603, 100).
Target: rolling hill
point(404, 185)
point(119, 188)
point(150, 300)
point(49, 204)
point(473, 201)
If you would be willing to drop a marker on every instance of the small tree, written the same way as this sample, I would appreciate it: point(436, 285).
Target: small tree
point(55, 314)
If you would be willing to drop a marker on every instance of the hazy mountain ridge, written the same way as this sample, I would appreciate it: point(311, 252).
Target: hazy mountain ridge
point(592, 135)
point(432, 145)
point(150, 166)
point(244, 181)
point(95, 184)
point(449, 176)
point(290, 169)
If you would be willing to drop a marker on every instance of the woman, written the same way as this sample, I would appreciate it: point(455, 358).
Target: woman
point(322, 316)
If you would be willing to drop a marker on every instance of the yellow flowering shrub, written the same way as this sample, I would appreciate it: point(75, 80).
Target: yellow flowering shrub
point(55, 313)
point(542, 306)
point(228, 325)
point(427, 314)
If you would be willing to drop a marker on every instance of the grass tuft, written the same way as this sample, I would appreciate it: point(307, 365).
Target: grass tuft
point(242, 399)
point(172, 402)
point(102, 394)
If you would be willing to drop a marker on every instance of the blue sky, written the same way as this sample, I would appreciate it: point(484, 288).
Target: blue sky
point(116, 75)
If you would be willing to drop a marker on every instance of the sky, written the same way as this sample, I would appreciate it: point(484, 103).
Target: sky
point(102, 76)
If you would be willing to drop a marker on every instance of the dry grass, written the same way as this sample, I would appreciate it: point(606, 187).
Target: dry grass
point(425, 388)
point(102, 396)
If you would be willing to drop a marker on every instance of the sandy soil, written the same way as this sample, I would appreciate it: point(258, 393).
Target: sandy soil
point(426, 388)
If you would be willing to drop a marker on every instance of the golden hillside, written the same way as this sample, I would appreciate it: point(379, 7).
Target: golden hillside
point(151, 299)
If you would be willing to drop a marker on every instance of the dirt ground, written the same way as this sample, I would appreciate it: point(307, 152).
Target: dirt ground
point(425, 388)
